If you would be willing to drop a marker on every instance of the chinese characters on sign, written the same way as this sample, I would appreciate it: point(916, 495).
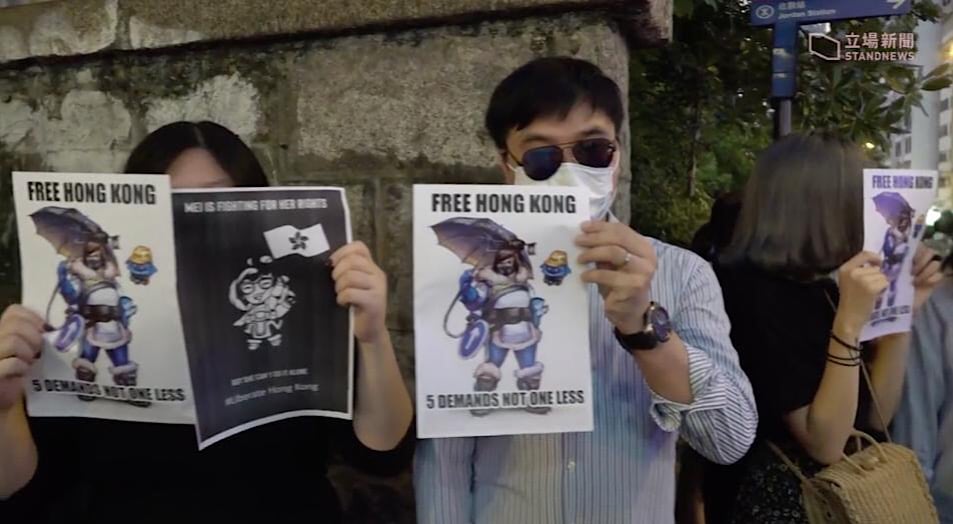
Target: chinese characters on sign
point(880, 41)
point(866, 47)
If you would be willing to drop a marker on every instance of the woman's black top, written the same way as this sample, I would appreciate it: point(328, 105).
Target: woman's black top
point(101, 471)
point(780, 327)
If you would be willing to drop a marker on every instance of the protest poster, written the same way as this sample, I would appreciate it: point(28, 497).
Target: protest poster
point(266, 339)
point(895, 206)
point(98, 264)
point(501, 314)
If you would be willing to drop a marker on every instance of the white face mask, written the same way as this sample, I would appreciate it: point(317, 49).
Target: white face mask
point(598, 180)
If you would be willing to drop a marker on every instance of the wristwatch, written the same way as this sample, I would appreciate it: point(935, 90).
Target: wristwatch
point(657, 330)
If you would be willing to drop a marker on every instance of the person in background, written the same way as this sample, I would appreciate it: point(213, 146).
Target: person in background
point(798, 289)
point(924, 419)
point(556, 121)
point(90, 470)
point(715, 235)
point(708, 242)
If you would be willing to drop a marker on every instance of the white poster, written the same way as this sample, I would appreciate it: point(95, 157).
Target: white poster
point(98, 263)
point(500, 312)
point(895, 206)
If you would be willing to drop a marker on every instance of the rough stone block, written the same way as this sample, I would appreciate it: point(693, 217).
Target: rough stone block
point(18, 120)
point(420, 98)
point(13, 44)
point(144, 34)
point(153, 24)
point(229, 100)
point(58, 28)
point(424, 94)
point(86, 130)
point(393, 216)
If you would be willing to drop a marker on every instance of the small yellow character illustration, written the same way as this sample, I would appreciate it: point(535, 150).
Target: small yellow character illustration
point(140, 265)
point(555, 269)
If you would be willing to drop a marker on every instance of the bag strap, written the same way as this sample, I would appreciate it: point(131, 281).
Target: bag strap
point(806, 482)
point(868, 381)
point(856, 434)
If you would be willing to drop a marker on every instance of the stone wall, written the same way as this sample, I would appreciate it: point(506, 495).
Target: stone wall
point(374, 104)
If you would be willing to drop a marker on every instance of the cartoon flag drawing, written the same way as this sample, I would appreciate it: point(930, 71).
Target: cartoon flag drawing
point(289, 240)
point(266, 287)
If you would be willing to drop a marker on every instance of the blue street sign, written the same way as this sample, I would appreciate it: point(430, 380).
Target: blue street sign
point(784, 60)
point(771, 12)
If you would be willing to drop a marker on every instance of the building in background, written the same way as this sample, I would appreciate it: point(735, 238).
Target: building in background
point(927, 144)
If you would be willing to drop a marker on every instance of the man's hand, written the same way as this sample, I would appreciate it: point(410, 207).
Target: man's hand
point(359, 283)
point(625, 264)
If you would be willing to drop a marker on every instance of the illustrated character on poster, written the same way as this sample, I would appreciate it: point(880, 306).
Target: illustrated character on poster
point(897, 241)
point(98, 311)
point(140, 265)
point(504, 314)
point(555, 269)
point(265, 299)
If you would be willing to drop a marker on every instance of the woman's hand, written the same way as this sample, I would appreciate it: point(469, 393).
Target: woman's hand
point(21, 339)
point(359, 283)
point(383, 411)
point(861, 281)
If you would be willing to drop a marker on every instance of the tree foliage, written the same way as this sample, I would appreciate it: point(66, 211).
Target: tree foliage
point(699, 107)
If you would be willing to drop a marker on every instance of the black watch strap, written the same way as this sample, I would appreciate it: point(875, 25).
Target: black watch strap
point(641, 341)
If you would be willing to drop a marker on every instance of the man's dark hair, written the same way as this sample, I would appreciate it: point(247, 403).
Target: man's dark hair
point(548, 87)
point(161, 147)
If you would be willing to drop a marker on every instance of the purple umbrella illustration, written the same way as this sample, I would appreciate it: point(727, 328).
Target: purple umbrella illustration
point(478, 240)
point(892, 206)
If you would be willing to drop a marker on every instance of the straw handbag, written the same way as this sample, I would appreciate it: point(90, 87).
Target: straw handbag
point(882, 484)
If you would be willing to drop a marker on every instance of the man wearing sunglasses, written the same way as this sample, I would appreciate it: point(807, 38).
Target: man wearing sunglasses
point(555, 121)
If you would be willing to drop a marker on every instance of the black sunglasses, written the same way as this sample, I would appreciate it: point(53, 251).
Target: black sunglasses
point(541, 163)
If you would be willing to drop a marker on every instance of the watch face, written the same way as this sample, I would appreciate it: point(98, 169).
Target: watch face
point(661, 325)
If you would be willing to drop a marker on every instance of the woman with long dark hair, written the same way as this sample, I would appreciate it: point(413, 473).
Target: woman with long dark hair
point(798, 289)
point(90, 470)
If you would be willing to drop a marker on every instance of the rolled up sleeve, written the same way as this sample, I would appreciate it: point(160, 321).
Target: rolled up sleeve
point(722, 420)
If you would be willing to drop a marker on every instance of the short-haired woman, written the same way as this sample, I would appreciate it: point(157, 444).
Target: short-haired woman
point(798, 289)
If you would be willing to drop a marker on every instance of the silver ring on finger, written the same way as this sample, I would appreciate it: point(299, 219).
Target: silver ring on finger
point(626, 260)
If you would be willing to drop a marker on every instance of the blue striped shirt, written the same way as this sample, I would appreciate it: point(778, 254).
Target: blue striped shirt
point(924, 419)
point(623, 471)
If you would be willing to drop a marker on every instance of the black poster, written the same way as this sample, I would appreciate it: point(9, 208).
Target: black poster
point(265, 337)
